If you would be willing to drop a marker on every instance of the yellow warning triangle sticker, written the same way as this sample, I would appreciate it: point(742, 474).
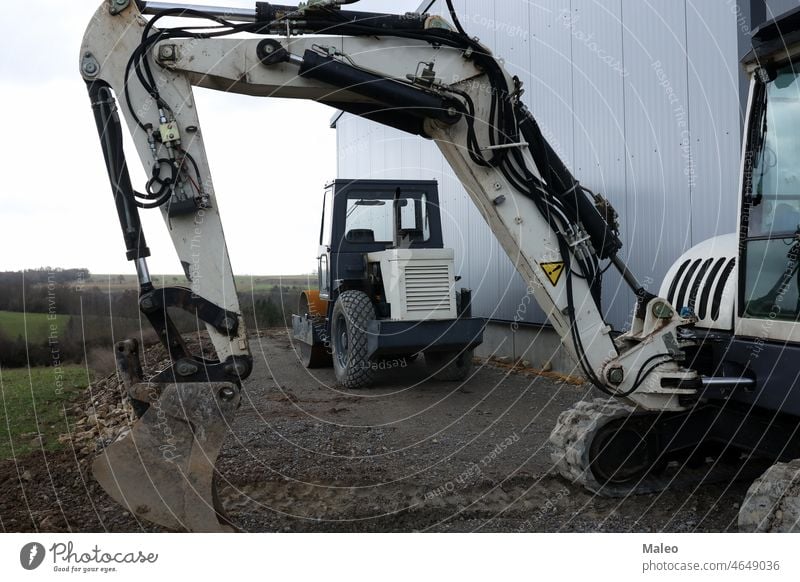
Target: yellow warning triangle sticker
point(553, 271)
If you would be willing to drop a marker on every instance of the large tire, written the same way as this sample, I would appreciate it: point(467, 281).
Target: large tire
point(352, 312)
point(449, 366)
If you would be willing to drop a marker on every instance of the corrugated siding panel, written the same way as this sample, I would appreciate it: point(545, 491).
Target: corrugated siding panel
point(658, 225)
point(598, 76)
point(715, 133)
point(549, 82)
point(614, 84)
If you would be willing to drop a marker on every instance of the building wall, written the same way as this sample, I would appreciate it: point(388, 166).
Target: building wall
point(640, 98)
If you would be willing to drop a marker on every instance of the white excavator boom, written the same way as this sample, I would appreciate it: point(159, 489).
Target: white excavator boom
point(415, 72)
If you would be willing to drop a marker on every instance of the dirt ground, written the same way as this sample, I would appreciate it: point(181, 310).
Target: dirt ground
point(409, 455)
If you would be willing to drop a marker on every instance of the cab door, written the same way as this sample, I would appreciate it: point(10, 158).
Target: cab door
point(769, 299)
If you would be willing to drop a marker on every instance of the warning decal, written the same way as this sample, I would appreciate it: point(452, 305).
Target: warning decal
point(553, 271)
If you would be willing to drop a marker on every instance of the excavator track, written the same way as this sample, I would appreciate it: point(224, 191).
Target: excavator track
point(571, 440)
point(772, 503)
point(572, 453)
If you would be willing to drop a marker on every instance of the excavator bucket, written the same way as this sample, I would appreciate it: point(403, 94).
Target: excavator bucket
point(163, 470)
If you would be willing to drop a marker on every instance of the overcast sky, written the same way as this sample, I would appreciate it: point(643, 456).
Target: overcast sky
point(56, 204)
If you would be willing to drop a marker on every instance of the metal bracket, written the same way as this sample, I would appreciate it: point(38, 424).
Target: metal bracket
point(271, 52)
point(89, 66)
point(117, 6)
point(156, 300)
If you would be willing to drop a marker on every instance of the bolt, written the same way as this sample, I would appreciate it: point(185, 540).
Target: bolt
point(227, 394)
point(498, 186)
point(89, 67)
point(662, 311)
point(616, 375)
point(147, 304)
point(184, 368)
point(499, 200)
point(167, 52)
point(117, 6)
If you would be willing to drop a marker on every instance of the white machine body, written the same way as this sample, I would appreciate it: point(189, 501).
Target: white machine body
point(419, 283)
point(704, 280)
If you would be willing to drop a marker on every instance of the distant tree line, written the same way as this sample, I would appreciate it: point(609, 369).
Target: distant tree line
point(93, 317)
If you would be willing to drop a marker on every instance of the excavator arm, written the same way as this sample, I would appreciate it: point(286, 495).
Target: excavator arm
point(418, 73)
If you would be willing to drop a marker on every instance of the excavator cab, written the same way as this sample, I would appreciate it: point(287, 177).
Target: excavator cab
point(387, 286)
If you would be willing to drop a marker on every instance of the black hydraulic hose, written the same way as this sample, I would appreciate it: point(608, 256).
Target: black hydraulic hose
point(605, 242)
point(573, 328)
point(336, 21)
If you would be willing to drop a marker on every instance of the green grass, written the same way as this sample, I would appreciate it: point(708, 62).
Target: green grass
point(32, 402)
point(13, 324)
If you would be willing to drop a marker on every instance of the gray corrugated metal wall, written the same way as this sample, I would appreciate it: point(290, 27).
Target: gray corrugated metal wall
point(639, 97)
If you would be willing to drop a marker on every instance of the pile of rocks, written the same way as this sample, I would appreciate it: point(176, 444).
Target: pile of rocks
point(104, 412)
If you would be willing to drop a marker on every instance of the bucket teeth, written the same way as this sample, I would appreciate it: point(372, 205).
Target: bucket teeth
point(163, 471)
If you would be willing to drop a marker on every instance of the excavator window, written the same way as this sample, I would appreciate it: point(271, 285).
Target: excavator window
point(772, 247)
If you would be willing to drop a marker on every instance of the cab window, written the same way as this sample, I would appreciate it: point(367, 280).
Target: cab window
point(772, 210)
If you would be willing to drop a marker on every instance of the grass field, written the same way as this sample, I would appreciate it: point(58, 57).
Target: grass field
point(13, 324)
point(32, 403)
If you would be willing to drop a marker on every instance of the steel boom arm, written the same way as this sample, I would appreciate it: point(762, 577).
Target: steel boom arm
point(442, 92)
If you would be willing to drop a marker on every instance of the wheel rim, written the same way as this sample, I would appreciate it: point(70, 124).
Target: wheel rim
point(340, 340)
point(621, 453)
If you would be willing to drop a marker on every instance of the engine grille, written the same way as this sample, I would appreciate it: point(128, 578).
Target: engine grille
point(699, 285)
point(427, 288)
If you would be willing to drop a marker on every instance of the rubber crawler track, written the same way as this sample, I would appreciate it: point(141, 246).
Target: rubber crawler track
point(572, 437)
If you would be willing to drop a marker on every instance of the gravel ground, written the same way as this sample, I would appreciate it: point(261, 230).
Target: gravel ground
point(409, 455)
